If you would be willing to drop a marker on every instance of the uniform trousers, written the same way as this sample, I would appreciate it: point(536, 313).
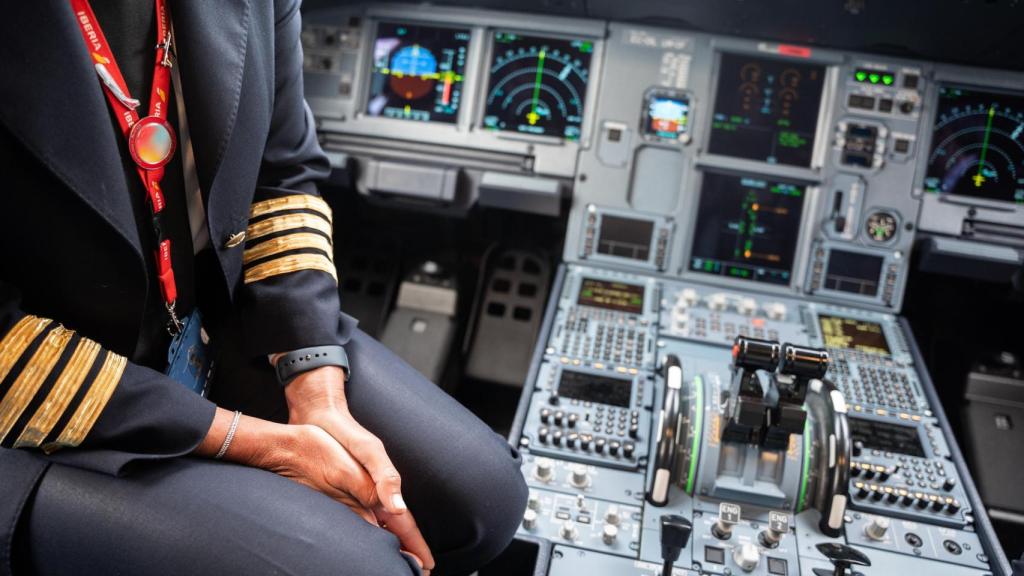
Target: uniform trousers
point(196, 516)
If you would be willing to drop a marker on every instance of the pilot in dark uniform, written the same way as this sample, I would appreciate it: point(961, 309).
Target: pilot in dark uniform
point(107, 465)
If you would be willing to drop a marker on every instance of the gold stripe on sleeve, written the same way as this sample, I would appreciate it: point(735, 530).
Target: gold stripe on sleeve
point(286, 243)
point(288, 264)
point(293, 202)
point(63, 391)
point(288, 222)
point(17, 340)
point(92, 404)
point(31, 378)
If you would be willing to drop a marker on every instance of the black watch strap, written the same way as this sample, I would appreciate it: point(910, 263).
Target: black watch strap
point(293, 363)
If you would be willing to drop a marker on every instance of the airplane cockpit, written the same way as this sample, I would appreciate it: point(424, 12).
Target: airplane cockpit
point(642, 288)
point(738, 280)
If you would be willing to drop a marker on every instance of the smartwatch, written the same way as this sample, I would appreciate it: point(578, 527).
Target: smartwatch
point(296, 362)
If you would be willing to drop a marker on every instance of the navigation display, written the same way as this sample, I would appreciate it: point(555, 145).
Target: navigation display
point(853, 272)
point(417, 72)
point(596, 389)
point(538, 85)
point(978, 145)
point(850, 334)
point(625, 237)
point(619, 296)
point(747, 228)
point(886, 437)
point(766, 109)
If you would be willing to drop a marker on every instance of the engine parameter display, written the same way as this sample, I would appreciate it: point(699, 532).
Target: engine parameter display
point(978, 145)
point(417, 72)
point(593, 388)
point(619, 296)
point(886, 437)
point(538, 85)
point(747, 228)
point(625, 237)
point(766, 109)
point(851, 334)
point(853, 272)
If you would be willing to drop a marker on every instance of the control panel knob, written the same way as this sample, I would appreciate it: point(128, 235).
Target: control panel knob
point(747, 556)
point(717, 301)
point(556, 437)
point(628, 449)
point(613, 447)
point(545, 415)
point(877, 528)
point(530, 519)
point(599, 445)
point(570, 439)
point(578, 476)
point(746, 306)
point(778, 527)
point(543, 469)
point(553, 399)
point(728, 515)
point(775, 310)
point(634, 431)
point(949, 484)
point(689, 297)
point(572, 419)
point(858, 448)
point(533, 502)
point(585, 440)
point(953, 507)
point(559, 417)
point(568, 530)
point(543, 435)
point(611, 516)
point(609, 534)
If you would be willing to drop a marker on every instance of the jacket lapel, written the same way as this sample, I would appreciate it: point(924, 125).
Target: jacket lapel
point(51, 99)
point(211, 42)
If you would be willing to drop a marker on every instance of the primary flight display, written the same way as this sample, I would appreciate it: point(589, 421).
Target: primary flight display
point(417, 72)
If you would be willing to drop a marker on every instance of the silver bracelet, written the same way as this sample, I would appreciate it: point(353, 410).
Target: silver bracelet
point(231, 436)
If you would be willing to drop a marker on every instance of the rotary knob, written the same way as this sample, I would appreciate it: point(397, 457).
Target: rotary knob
point(747, 306)
point(533, 502)
point(609, 534)
point(578, 476)
point(775, 310)
point(530, 519)
point(746, 556)
point(568, 530)
point(543, 469)
point(612, 516)
point(717, 301)
point(877, 528)
point(688, 297)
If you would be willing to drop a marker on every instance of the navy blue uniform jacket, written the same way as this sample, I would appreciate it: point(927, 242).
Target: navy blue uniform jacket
point(73, 279)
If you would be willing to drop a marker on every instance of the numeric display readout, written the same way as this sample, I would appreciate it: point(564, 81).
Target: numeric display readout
point(619, 296)
point(594, 388)
point(852, 334)
point(766, 109)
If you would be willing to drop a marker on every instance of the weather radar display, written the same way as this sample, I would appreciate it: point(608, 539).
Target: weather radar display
point(538, 85)
point(417, 72)
point(978, 145)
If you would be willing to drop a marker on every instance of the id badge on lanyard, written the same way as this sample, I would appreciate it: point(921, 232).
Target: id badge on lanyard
point(189, 358)
point(151, 143)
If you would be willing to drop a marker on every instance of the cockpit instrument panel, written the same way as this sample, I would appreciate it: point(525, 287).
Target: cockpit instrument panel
point(538, 85)
point(417, 72)
point(766, 109)
point(620, 296)
point(666, 116)
point(977, 145)
point(747, 228)
point(853, 334)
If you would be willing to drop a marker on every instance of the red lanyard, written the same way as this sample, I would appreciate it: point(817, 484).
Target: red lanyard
point(151, 140)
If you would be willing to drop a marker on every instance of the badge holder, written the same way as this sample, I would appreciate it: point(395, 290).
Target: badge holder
point(190, 356)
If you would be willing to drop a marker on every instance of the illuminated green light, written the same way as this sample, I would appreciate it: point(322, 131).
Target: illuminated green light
point(887, 79)
point(586, 47)
point(861, 76)
point(874, 78)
